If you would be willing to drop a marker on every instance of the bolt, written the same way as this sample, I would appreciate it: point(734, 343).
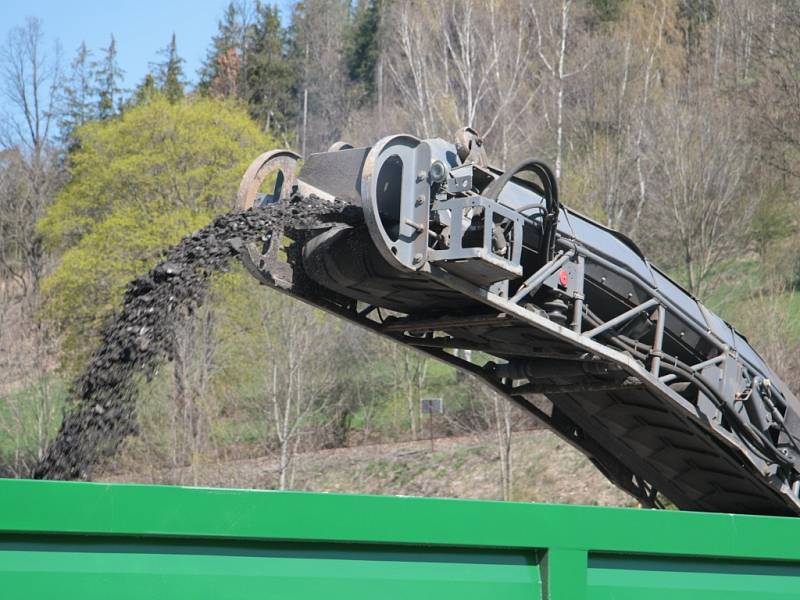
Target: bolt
point(420, 200)
point(438, 171)
point(422, 176)
point(419, 228)
point(417, 258)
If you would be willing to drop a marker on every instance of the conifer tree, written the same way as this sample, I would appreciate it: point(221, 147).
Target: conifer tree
point(107, 77)
point(271, 76)
point(145, 90)
point(230, 36)
point(77, 101)
point(170, 76)
point(363, 45)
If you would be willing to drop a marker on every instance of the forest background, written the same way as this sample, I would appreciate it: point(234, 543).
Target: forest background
point(674, 121)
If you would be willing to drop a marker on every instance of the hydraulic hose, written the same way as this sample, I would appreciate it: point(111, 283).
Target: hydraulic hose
point(550, 193)
point(757, 438)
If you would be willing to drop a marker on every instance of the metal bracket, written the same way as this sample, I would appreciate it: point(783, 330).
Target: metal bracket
point(479, 264)
point(396, 199)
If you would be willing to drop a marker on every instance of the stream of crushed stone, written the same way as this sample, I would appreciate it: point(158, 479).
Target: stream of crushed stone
point(140, 337)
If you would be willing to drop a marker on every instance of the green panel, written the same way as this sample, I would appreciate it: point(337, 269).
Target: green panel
point(69, 507)
point(564, 574)
point(101, 569)
point(657, 578)
point(83, 540)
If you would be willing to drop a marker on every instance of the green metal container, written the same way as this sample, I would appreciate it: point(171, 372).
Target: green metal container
point(95, 541)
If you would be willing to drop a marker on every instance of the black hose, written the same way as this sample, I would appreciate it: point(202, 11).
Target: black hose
point(550, 193)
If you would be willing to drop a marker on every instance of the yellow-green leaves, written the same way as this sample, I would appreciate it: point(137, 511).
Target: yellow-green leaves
point(190, 155)
point(89, 282)
point(139, 183)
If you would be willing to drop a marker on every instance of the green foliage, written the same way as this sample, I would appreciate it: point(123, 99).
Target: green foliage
point(145, 91)
point(693, 15)
point(170, 78)
point(363, 46)
point(166, 165)
point(108, 76)
point(229, 37)
point(190, 154)
point(774, 220)
point(139, 183)
point(271, 76)
point(77, 100)
point(605, 11)
point(90, 280)
point(28, 418)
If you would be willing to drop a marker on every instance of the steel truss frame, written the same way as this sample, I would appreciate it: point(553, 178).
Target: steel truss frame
point(290, 278)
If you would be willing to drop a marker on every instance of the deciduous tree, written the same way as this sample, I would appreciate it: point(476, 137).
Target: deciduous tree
point(138, 184)
point(30, 174)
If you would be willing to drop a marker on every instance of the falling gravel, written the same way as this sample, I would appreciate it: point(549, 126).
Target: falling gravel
point(138, 339)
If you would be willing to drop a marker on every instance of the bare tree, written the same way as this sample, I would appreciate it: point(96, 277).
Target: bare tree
point(327, 99)
point(552, 34)
point(475, 73)
point(29, 177)
point(503, 426)
point(513, 86)
point(29, 80)
point(486, 413)
point(361, 385)
point(193, 368)
point(777, 97)
point(655, 42)
point(409, 369)
point(409, 60)
point(614, 114)
point(415, 369)
point(702, 169)
point(297, 377)
point(468, 51)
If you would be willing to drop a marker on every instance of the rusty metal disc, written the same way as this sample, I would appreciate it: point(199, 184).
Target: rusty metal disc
point(283, 162)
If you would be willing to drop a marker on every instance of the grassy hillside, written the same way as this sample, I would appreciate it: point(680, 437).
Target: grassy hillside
point(545, 470)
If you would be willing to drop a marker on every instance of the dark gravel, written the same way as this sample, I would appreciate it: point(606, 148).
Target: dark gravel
point(138, 339)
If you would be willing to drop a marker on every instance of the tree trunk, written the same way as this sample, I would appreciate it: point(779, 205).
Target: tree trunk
point(503, 430)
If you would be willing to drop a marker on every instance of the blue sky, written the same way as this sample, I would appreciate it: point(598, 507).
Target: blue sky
point(141, 28)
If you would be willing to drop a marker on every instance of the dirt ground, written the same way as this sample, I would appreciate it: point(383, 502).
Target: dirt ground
point(545, 469)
